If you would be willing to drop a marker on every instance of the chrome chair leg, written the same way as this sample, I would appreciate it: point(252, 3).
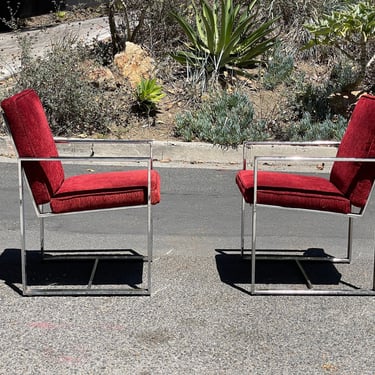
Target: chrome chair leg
point(93, 271)
point(243, 203)
point(22, 228)
point(149, 245)
point(41, 226)
point(350, 239)
point(253, 248)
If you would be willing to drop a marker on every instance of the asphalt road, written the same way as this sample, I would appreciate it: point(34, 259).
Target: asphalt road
point(200, 318)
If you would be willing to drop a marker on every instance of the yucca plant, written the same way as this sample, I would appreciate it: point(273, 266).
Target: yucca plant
point(148, 94)
point(225, 37)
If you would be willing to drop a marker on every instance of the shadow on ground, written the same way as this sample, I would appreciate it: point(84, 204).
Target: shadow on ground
point(75, 271)
point(234, 270)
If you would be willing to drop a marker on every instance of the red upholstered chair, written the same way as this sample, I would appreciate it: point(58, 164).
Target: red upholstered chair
point(345, 193)
point(41, 168)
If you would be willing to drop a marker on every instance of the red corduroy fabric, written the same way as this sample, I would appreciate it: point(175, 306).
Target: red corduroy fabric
point(292, 190)
point(349, 184)
point(32, 137)
point(105, 190)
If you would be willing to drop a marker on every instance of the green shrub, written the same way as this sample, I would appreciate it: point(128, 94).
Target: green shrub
point(350, 30)
point(72, 104)
point(344, 76)
point(101, 51)
point(225, 119)
point(293, 16)
point(279, 69)
point(308, 130)
point(315, 100)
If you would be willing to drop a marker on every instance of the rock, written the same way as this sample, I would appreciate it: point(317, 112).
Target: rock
point(134, 64)
point(102, 77)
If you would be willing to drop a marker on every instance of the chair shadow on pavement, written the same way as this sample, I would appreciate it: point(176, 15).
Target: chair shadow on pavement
point(235, 271)
point(71, 272)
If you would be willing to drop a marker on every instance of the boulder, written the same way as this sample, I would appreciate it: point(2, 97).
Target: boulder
point(134, 64)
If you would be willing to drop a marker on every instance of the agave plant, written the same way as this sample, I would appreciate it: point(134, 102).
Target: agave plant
point(224, 37)
point(148, 94)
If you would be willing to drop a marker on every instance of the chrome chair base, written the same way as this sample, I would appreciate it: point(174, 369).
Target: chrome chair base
point(255, 255)
point(94, 274)
point(309, 287)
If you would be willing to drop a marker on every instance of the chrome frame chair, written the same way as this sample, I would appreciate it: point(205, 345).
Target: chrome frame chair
point(95, 255)
point(257, 254)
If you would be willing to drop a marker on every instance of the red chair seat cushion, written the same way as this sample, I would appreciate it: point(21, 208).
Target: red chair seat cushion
point(292, 190)
point(105, 190)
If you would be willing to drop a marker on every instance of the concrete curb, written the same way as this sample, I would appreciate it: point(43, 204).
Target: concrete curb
point(195, 154)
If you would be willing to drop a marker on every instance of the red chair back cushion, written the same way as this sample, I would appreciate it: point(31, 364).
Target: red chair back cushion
point(355, 180)
point(32, 137)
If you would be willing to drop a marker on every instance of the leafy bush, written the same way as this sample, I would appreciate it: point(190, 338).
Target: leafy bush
point(315, 101)
point(308, 130)
point(293, 16)
point(279, 69)
point(350, 29)
point(344, 76)
point(101, 51)
point(316, 98)
point(72, 104)
point(225, 37)
point(226, 120)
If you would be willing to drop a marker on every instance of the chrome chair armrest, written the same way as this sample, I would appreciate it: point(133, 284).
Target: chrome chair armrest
point(249, 148)
point(63, 140)
point(258, 159)
point(86, 158)
point(99, 148)
point(291, 143)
